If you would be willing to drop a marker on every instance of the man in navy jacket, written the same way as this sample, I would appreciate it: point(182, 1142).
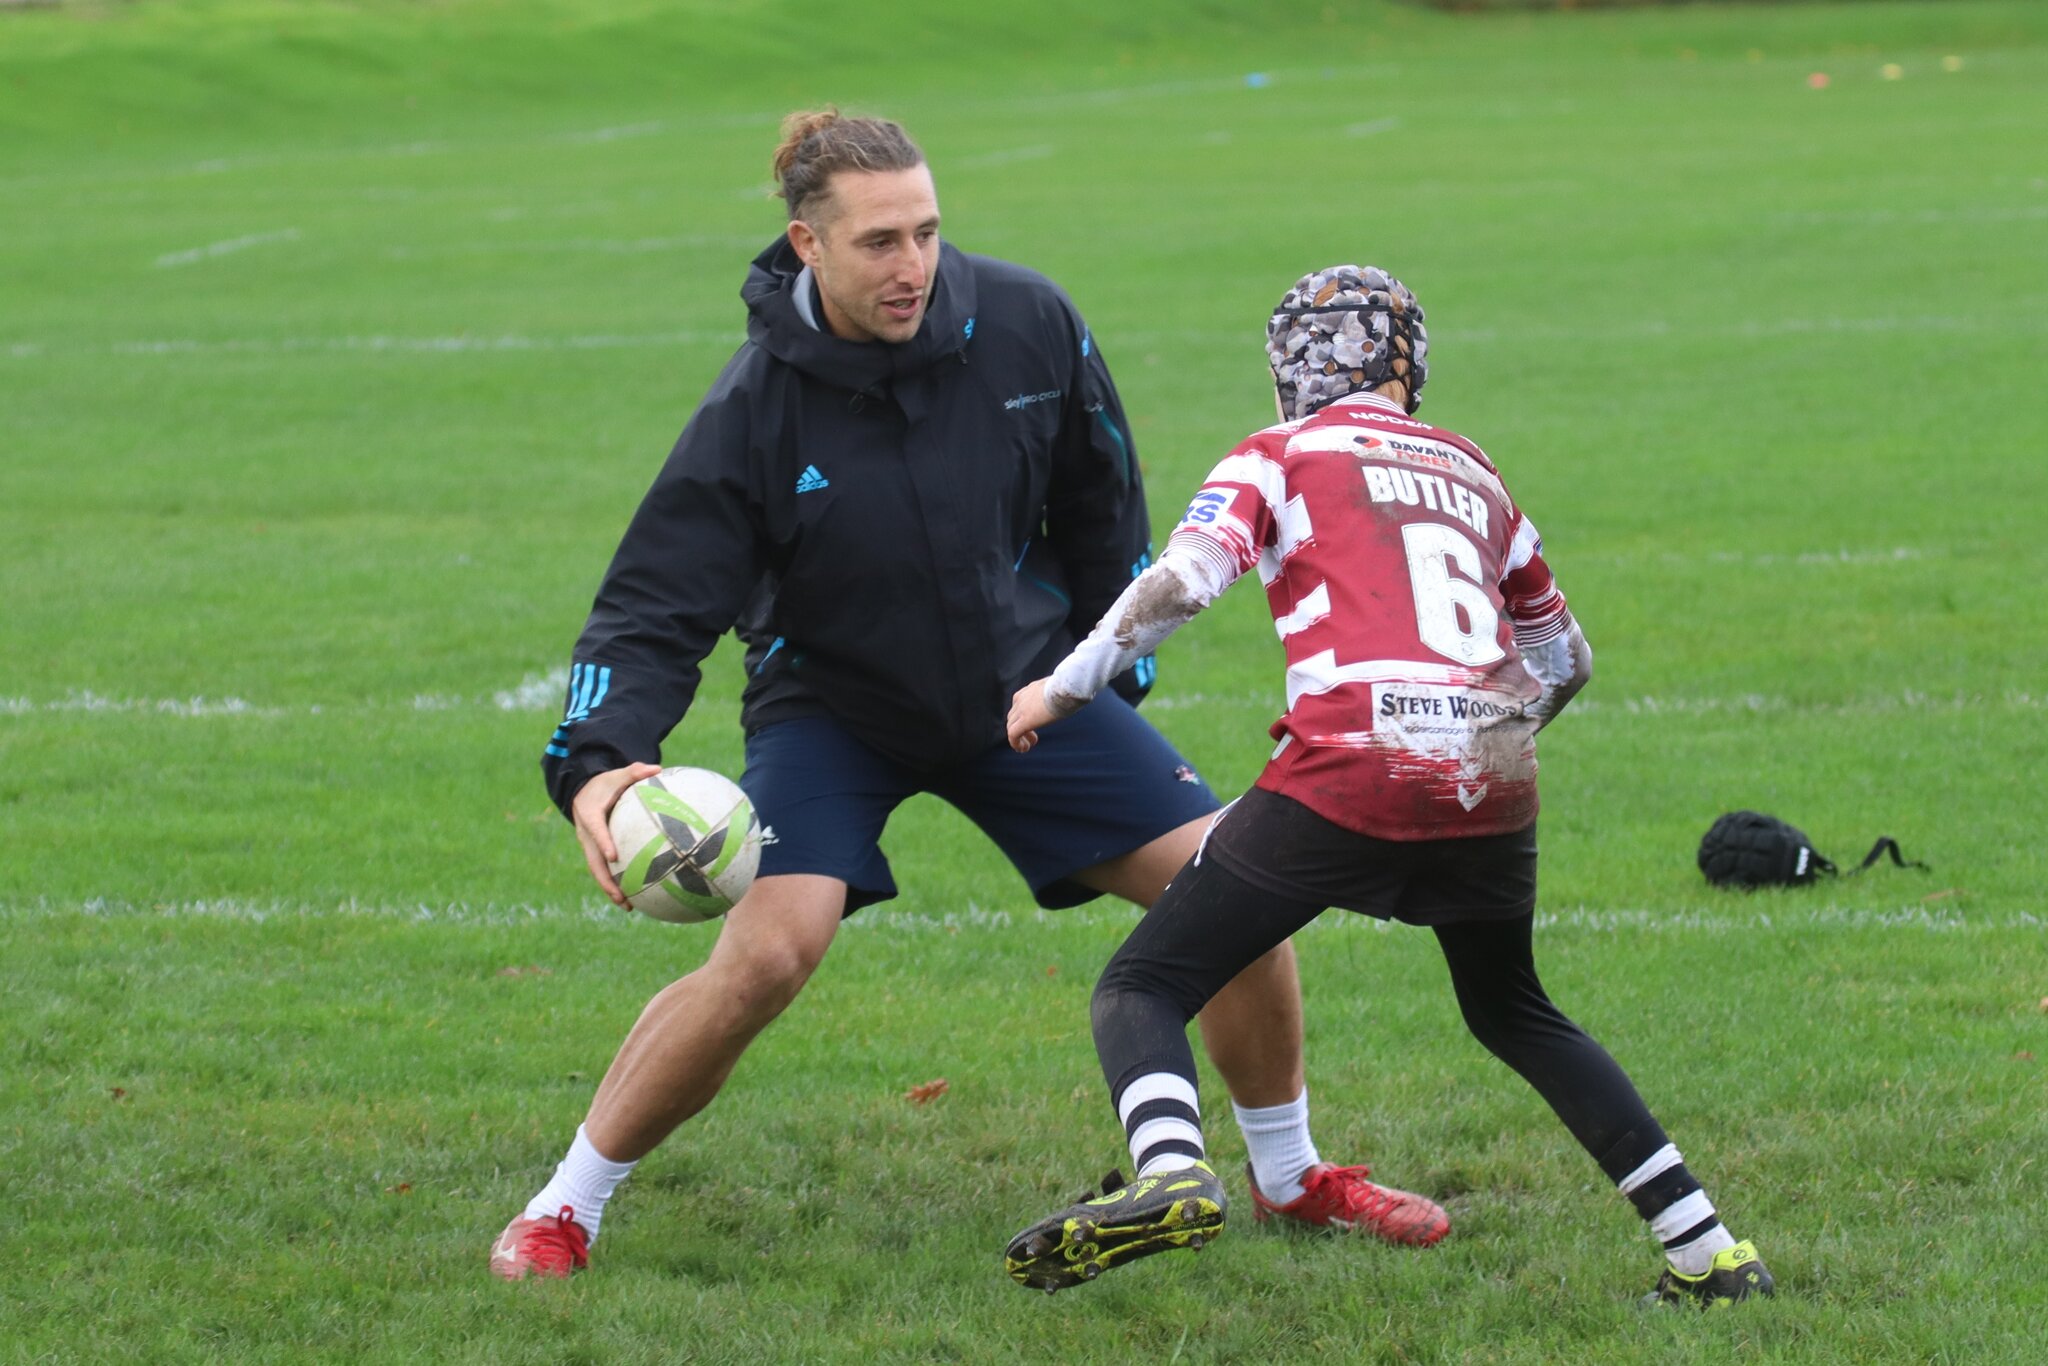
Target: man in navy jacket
point(911, 490)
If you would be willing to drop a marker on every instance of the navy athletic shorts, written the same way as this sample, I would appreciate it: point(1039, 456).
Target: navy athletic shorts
point(1097, 786)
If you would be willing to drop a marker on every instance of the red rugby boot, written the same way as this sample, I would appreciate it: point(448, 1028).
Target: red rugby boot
point(552, 1246)
point(1341, 1197)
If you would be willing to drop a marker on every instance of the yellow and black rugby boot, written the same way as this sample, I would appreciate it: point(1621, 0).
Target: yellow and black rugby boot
point(1736, 1274)
point(1151, 1214)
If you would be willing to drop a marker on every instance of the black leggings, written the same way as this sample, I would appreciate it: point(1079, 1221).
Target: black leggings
point(1210, 925)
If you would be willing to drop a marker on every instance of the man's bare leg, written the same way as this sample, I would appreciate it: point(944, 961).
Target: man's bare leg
point(692, 1033)
point(673, 1062)
point(1252, 1028)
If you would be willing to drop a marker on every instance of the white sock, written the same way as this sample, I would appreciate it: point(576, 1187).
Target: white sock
point(1696, 1258)
point(1276, 1139)
point(1167, 1162)
point(583, 1181)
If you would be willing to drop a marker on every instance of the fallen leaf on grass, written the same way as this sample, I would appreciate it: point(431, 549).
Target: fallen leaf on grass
point(925, 1094)
point(2023, 1056)
point(121, 1092)
point(402, 1188)
point(1052, 970)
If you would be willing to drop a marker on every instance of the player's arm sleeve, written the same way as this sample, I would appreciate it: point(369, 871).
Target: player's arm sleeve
point(1226, 527)
point(678, 581)
point(1161, 600)
point(1547, 635)
point(1095, 519)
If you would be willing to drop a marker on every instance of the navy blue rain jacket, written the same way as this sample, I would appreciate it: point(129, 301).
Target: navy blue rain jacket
point(902, 533)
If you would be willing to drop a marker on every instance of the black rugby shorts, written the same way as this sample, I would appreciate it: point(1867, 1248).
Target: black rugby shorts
point(1280, 846)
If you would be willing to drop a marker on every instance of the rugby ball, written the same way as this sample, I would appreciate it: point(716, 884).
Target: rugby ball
point(688, 844)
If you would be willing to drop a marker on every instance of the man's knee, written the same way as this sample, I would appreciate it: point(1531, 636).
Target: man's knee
point(773, 941)
point(769, 977)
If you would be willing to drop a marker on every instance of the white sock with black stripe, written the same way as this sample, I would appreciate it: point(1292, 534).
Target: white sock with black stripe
point(1162, 1123)
point(1678, 1211)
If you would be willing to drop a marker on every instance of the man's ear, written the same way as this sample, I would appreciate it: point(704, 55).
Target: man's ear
point(804, 239)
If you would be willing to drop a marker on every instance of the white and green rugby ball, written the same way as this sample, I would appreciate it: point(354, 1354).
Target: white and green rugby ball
point(688, 845)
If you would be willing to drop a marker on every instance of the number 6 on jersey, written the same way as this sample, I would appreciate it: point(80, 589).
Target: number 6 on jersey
point(1432, 549)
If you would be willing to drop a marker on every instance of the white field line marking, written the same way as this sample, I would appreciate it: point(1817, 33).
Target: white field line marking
point(1007, 157)
point(172, 259)
point(87, 701)
point(263, 160)
point(1896, 555)
point(544, 693)
point(505, 342)
point(1985, 213)
point(1068, 101)
point(1907, 700)
point(1652, 329)
point(257, 161)
point(535, 692)
point(1372, 127)
point(612, 246)
point(2029, 324)
point(539, 692)
point(613, 134)
point(1913, 916)
point(1274, 701)
point(1811, 559)
point(1290, 80)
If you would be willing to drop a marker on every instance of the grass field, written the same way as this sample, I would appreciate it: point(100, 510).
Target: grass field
point(337, 342)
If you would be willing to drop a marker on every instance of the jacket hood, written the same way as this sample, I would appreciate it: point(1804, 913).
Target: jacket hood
point(774, 324)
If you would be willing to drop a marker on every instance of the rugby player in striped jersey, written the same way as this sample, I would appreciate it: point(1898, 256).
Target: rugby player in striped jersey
point(1426, 643)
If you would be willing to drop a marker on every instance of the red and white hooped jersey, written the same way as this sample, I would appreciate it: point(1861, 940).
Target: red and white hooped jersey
point(1401, 577)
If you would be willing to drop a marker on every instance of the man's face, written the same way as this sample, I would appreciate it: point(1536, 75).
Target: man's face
point(874, 248)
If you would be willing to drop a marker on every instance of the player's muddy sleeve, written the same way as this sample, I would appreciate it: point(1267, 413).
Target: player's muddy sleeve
point(1168, 595)
point(680, 577)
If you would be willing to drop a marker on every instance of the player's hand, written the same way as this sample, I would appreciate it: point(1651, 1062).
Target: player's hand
point(592, 809)
point(1028, 711)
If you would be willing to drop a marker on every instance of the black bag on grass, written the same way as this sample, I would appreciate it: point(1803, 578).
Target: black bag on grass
point(1751, 849)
